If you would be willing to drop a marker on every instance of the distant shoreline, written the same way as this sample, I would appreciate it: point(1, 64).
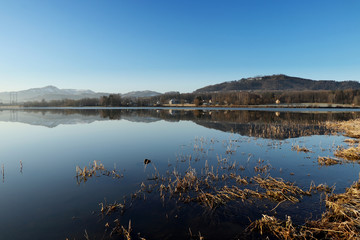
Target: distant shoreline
point(280, 107)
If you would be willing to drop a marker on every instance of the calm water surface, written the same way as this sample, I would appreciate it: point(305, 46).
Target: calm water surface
point(40, 149)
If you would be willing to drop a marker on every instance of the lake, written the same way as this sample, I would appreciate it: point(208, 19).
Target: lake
point(42, 198)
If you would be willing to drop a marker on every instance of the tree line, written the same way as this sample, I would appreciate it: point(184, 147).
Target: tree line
point(234, 98)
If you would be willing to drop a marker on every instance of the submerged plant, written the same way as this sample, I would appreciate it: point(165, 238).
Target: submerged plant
point(96, 168)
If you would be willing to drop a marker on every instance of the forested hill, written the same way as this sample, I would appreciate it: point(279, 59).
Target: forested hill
point(279, 82)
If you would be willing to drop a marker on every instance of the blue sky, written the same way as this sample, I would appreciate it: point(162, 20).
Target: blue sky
point(174, 45)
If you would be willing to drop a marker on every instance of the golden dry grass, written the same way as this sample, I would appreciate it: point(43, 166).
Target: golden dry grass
point(350, 127)
point(328, 161)
point(279, 190)
point(340, 221)
point(300, 149)
point(352, 153)
point(96, 168)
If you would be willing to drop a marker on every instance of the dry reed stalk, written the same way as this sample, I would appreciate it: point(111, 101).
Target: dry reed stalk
point(224, 195)
point(122, 231)
point(239, 179)
point(92, 170)
point(280, 229)
point(352, 153)
point(327, 161)
point(111, 207)
point(189, 181)
point(352, 141)
point(278, 189)
point(195, 237)
point(340, 221)
point(300, 149)
point(350, 127)
point(320, 187)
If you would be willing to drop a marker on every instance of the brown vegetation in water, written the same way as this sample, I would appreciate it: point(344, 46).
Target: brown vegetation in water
point(350, 127)
point(300, 149)
point(328, 161)
point(340, 221)
point(215, 187)
point(96, 168)
point(352, 153)
point(279, 190)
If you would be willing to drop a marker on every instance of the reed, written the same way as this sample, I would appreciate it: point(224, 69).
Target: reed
point(300, 149)
point(111, 207)
point(95, 169)
point(328, 161)
point(340, 221)
point(350, 127)
point(352, 153)
point(279, 190)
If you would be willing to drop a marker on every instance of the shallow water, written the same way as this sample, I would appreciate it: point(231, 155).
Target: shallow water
point(40, 149)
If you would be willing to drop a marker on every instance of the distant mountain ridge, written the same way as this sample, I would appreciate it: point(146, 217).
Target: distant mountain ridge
point(136, 94)
point(49, 93)
point(279, 82)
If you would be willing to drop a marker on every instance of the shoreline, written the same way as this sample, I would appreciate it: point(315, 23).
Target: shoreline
point(269, 107)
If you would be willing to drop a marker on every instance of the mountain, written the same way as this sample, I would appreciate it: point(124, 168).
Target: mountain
point(279, 82)
point(137, 94)
point(49, 93)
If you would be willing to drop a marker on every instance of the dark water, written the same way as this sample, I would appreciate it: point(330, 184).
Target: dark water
point(40, 149)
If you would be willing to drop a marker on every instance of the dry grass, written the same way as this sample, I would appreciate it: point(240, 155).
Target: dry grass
point(328, 161)
point(121, 230)
point(340, 221)
point(300, 149)
point(107, 208)
point(224, 195)
point(320, 188)
point(351, 127)
point(352, 153)
point(352, 141)
point(280, 229)
point(95, 169)
point(279, 190)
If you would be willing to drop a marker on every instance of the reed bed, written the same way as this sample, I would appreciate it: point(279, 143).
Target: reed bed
point(224, 195)
point(278, 228)
point(212, 190)
point(216, 186)
point(340, 221)
point(352, 141)
point(350, 127)
point(328, 161)
point(279, 190)
point(351, 154)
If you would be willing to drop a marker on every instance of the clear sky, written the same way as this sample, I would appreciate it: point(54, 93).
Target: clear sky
point(174, 45)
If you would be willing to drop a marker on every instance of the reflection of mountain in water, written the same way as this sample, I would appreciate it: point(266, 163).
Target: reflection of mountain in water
point(46, 119)
point(254, 123)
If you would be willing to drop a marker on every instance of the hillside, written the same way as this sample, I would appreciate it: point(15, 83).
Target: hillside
point(140, 94)
point(49, 93)
point(279, 82)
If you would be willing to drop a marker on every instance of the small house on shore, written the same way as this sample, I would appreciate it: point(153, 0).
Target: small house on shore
point(173, 101)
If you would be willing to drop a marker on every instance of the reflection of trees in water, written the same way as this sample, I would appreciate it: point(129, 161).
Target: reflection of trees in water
point(274, 124)
point(266, 124)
